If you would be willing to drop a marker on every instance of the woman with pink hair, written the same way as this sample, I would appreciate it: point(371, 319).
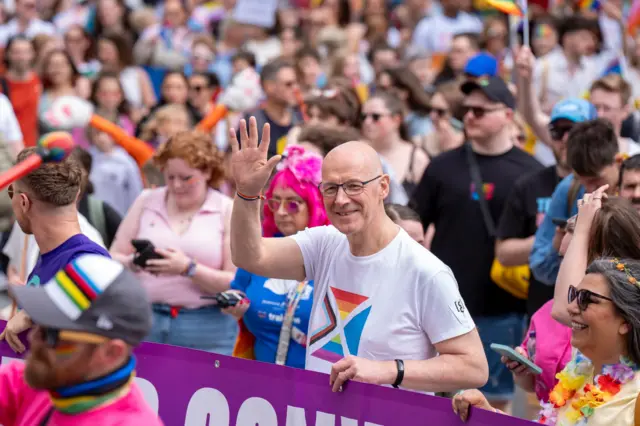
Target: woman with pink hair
point(274, 314)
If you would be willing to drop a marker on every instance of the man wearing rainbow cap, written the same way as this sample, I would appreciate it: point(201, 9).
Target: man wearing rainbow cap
point(80, 369)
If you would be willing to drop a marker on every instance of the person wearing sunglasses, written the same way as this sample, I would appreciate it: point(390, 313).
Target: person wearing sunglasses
point(528, 203)
point(600, 385)
point(275, 313)
point(80, 369)
point(45, 205)
point(462, 194)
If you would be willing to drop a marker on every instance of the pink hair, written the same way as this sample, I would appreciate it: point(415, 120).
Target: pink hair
point(306, 190)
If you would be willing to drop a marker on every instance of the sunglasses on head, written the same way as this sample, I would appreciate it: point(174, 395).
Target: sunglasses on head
point(557, 132)
point(291, 206)
point(584, 297)
point(478, 111)
point(53, 336)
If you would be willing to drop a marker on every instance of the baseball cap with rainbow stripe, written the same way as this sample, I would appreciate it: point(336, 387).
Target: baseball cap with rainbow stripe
point(93, 294)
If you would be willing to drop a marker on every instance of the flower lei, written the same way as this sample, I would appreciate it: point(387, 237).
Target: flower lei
point(573, 387)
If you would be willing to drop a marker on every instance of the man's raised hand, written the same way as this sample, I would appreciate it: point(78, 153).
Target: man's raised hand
point(249, 165)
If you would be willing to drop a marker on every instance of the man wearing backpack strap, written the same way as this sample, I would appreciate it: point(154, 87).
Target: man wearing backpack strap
point(279, 83)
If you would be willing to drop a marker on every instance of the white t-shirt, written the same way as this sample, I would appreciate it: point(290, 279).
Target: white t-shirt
point(9, 127)
point(13, 248)
point(395, 304)
point(434, 33)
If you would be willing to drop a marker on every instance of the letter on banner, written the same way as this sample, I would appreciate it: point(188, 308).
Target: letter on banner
point(295, 416)
point(257, 412)
point(207, 402)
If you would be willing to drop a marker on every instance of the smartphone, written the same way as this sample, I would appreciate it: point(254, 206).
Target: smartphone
point(512, 355)
point(226, 299)
point(559, 222)
point(145, 250)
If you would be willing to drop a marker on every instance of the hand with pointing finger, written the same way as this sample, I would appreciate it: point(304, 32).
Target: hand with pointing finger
point(249, 165)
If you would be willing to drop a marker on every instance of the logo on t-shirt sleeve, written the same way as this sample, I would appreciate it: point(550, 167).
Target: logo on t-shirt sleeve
point(459, 310)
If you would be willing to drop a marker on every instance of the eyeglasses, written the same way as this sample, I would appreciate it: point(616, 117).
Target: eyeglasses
point(290, 205)
point(375, 116)
point(52, 336)
point(440, 112)
point(585, 297)
point(11, 191)
point(351, 188)
point(478, 111)
point(557, 132)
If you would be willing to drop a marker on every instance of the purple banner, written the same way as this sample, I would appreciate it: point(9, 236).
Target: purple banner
point(194, 388)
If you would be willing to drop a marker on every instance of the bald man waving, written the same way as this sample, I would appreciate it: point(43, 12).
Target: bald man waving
point(386, 310)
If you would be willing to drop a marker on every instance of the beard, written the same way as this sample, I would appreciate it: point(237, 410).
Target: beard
point(39, 373)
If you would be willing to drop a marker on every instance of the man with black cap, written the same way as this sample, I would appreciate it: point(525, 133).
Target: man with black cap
point(462, 193)
point(80, 367)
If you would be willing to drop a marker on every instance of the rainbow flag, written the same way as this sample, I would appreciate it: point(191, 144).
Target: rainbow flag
point(509, 7)
point(633, 20)
point(589, 5)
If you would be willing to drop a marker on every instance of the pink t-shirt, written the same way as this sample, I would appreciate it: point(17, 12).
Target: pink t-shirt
point(21, 405)
point(206, 241)
point(548, 344)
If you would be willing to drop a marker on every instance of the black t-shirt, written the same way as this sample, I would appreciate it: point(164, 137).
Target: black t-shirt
point(278, 132)
point(447, 198)
point(522, 214)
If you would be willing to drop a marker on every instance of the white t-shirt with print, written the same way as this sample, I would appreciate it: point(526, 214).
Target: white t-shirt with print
point(395, 304)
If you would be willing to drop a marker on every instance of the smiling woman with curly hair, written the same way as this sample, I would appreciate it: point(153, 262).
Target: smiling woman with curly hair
point(187, 223)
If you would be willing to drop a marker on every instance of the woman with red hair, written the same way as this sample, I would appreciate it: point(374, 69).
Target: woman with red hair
point(274, 314)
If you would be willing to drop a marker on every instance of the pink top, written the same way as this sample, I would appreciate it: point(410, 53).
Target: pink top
point(21, 405)
point(548, 344)
point(206, 241)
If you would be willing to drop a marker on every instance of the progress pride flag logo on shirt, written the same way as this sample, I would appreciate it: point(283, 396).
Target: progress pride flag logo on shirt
point(193, 388)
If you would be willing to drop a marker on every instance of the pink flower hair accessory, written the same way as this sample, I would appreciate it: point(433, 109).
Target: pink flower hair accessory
point(305, 166)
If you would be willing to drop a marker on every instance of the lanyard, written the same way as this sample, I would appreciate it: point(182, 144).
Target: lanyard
point(287, 324)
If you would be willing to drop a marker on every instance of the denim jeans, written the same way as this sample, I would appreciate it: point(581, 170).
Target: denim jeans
point(206, 329)
point(505, 330)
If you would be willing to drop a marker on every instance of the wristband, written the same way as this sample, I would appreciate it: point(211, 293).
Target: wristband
point(400, 376)
point(249, 197)
point(191, 270)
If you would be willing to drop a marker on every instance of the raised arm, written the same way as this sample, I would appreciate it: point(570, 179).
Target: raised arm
point(528, 103)
point(574, 264)
point(268, 257)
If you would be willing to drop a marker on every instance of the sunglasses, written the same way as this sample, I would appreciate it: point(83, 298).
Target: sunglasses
point(11, 191)
point(440, 112)
point(52, 336)
point(585, 297)
point(557, 132)
point(375, 116)
point(290, 206)
point(477, 111)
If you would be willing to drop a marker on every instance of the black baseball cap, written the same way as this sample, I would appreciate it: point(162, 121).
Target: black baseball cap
point(494, 88)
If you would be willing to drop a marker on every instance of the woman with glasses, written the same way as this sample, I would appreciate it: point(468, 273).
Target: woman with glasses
point(446, 114)
point(275, 313)
point(598, 322)
point(383, 126)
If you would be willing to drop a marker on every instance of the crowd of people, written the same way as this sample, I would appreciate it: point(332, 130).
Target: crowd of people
point(387, 189)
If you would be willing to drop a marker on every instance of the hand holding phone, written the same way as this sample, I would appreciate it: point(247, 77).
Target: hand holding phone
point(226, 299)
point(516, 360)
point(145, 250)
